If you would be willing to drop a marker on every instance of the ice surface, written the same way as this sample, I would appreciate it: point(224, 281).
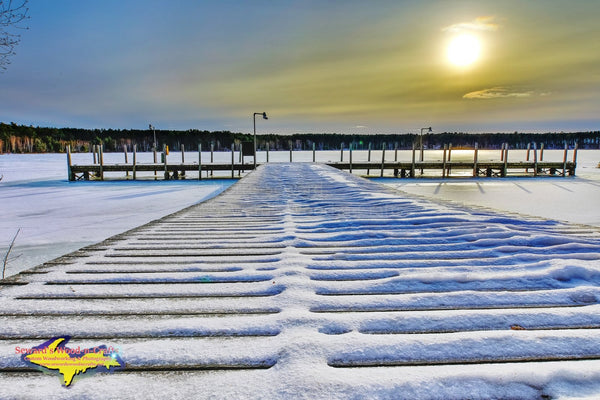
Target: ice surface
point(56, 216)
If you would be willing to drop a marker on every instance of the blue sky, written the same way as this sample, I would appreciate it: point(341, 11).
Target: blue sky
point(313, 66)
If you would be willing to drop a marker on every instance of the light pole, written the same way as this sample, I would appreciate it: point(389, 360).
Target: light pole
point(264, 115)
point(154, 131)
point(421, 140)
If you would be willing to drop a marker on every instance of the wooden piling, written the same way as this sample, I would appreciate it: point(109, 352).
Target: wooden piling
point(350, 155)
point(535, 163)
point(449, 158)
point(101, 161)
point(165, 161)
point(200, 161)
point(126, 160)
point(232, 160)
point(575, 158)
point(212, 149)
point(527, 157)
point(342, 152)
point(444, 161)
point(382, 159)
point(565, 160)
point(290, 151)
point(70, 174)
point(542, 152)
point(369, 157)
point(94, 150)
point(314, 152)
point(396, 152)
point(134, 160)
point(475, 167)
point(412, 167)
point(267, 151)
point(154, 151)
point(505, 168)
point(502, 152)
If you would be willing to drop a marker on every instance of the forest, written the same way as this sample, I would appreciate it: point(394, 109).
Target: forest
point(28, 139)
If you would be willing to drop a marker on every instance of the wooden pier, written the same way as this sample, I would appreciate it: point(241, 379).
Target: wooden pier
point(412, 169)
point(317, 287)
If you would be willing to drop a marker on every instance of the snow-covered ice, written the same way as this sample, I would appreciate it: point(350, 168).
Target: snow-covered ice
point(56, 216)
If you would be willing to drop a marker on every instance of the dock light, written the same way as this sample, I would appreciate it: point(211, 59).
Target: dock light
point(153, 130)
point(264, 115)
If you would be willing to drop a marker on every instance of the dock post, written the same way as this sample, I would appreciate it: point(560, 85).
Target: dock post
point(134, 160)
point(527, 158)
point(535, 161)
point(502, 152)
point(267, 151)
point(396, 152)
point(542, 152)
point(369, 158)
point(574, 159)
point(126, 160)
point(444, 161)
point(165, 160)
point(475, 168)
point(565, 160)
point(232, 159)
point(342, 152)
point(212, 149)
point(241, 159)
point(314, 154)
point(94, 154)
point(182, 175)
point(505, 169)
point(449, 157)
point(290, 150)
point(154, 151)
point(70, 174)
point(101, 161)
point(200, 161)
point(382, 159)
point(350, 150)
point(412, 167)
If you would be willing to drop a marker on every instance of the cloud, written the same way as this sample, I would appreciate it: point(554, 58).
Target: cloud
point(497, 93)
point(486, 23)
point(360, 126)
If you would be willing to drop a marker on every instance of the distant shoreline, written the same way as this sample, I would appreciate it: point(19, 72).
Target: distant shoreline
point(28, 139)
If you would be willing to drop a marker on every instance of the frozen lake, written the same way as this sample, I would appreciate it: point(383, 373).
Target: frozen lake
point(56, 216)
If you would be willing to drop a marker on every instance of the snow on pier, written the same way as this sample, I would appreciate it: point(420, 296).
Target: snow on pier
point(302, 281)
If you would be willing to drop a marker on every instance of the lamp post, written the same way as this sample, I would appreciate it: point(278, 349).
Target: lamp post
point(421, 140)
point(264, 115)
point(154, 131)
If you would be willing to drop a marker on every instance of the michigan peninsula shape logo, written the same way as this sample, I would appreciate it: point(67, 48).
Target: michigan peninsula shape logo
point(53, 357)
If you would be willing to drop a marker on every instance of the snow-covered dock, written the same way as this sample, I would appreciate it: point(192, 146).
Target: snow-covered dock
point(302, 281)
point(400, 169)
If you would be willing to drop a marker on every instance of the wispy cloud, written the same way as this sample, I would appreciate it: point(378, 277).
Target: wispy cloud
point(498, 93)
point(360, 126)
point(487, 23)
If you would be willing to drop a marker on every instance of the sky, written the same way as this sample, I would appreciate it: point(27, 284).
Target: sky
point(313, 66)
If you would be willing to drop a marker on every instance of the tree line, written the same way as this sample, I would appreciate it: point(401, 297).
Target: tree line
point(28, 139)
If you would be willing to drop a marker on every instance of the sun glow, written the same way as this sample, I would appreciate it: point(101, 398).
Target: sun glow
point(463, 50)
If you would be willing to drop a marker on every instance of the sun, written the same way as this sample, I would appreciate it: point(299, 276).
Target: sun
point(463, 50)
